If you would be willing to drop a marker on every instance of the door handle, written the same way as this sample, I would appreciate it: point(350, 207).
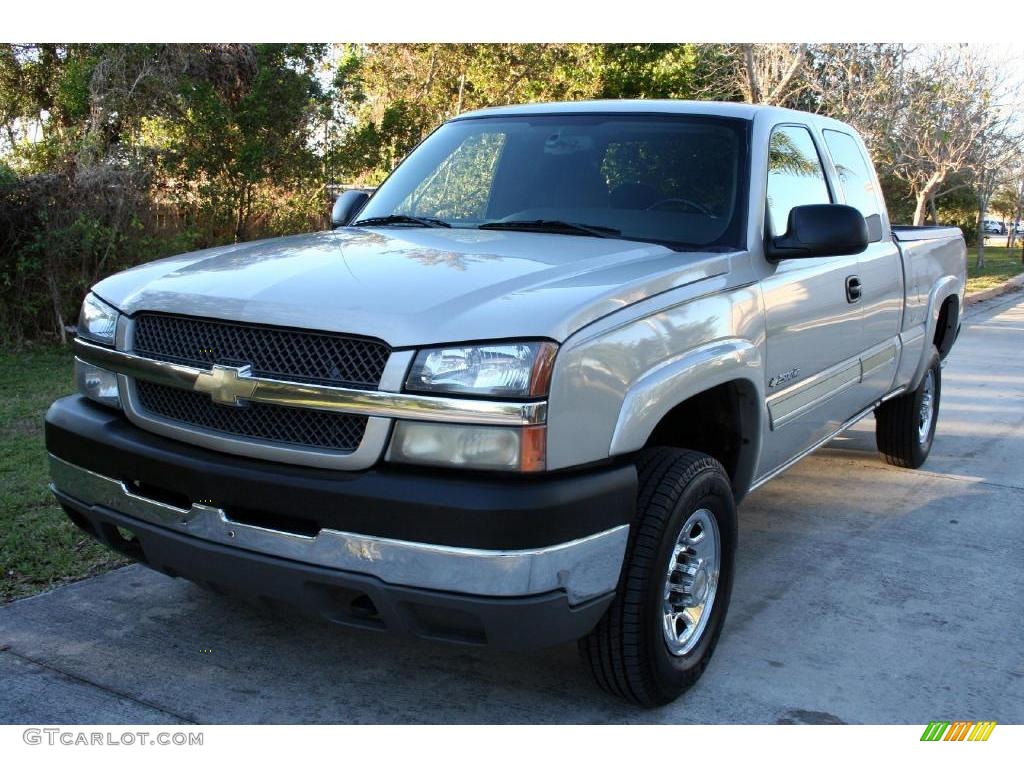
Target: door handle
point(853, 289)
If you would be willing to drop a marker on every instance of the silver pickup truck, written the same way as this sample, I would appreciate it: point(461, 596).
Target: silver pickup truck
point(515, 395)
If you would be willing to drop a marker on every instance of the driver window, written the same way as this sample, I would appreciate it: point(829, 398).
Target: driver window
point(795, 175)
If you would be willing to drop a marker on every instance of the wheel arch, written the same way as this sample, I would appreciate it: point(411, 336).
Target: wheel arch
point(947, 324)
point(943, 307)
point(709, 399)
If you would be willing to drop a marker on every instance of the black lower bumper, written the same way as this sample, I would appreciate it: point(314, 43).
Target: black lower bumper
point(456, 511)
point(340, 597)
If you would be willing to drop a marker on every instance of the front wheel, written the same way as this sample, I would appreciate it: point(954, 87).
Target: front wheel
point(905, 425)
point(662, 627)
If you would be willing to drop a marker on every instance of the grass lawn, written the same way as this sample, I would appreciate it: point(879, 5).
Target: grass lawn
point(39, 547)
point(1001, 264)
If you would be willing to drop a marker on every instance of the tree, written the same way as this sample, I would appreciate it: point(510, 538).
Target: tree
point(767, 74)
point(946, 118)
point(1008, 200)
point(651, 71)
point(858, 83)
point(991, 169)
point(399, 93)
point(405, 91)
point(44, 101)
point(124, 153)
point(241, 131)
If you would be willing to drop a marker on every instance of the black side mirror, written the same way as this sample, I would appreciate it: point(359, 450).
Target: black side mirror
point(347, 206)
point(821, 230)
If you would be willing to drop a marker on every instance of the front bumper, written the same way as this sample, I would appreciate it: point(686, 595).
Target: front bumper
point(324, 541)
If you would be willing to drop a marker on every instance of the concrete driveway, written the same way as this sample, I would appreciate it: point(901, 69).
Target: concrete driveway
point(864, 594)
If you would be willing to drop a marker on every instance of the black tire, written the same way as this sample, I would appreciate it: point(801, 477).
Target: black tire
point(627, 651)
point(898, 422)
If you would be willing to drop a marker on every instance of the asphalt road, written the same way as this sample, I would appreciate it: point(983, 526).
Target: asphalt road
point(864, 594)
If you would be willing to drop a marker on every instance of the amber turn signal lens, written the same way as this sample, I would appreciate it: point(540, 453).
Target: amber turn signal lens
point(533, 452)
point(543, 366)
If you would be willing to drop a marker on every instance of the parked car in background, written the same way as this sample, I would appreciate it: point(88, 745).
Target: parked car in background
point(516, 395)
point(993, 227)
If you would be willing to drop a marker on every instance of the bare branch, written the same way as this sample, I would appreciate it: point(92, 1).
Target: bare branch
point(781, 89)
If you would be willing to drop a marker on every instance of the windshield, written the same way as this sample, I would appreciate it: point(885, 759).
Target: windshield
point(676, 180)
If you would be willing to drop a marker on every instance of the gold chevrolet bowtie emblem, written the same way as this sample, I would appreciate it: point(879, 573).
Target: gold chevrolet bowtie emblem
point(226, 384)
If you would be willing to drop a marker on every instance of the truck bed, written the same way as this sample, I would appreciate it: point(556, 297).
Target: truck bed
point(930, 255)
point(906, 233)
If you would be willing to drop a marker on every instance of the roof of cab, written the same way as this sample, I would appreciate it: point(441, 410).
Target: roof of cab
point(645, 106)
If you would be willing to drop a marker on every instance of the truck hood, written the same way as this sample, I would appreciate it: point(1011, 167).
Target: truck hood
point(413, 286)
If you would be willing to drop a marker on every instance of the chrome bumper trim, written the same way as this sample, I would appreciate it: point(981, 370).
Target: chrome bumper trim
point(584, 568)
point(229, 385)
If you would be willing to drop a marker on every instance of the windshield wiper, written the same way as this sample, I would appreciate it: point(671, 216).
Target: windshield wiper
point(401, 218)
point(554, 226)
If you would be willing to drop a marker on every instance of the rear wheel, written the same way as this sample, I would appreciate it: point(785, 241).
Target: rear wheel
point(905, 425)
point(661, 630)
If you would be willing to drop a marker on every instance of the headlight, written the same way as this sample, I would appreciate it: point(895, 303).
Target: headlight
point(97, 384)
point(516, 370)
point(97, 320)
point(517, 449)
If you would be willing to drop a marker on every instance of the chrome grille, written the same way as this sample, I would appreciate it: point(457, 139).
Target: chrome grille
point(275, 353)
point(275, 423)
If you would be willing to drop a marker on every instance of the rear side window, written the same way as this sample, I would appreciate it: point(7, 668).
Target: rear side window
point(795, 175)
point(856, 180)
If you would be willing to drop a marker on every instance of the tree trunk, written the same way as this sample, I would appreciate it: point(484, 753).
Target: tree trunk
point(921, 210)
point(1016, 219)
point(922, 203)
point(429, 83)
point(981, 233)
point(462, 89)
point(925, 194)
point(58, 316)
point(755, 88)
point(240, 213)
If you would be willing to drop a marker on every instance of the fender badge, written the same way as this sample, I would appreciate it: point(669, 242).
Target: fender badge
point(783, 378)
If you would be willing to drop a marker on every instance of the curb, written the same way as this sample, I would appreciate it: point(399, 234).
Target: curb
point(1011, 285)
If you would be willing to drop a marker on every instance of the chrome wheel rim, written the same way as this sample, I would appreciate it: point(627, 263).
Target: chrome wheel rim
point(927, 410)
point(691, 582)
